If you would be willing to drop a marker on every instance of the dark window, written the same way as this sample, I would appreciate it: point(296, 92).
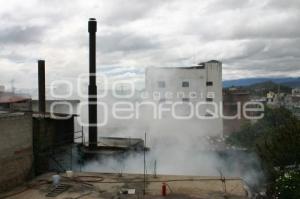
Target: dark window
point(162, 84)
point(209, 83)
point(185, 99)
point(185, 84)
point(208, 99)
point(161, 100)
point(208, 115)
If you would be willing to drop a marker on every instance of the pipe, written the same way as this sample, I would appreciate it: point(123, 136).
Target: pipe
point(92, 89)
point(41, 86)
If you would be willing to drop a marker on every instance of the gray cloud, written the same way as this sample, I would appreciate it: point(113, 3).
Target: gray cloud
point(219, 5)
point(125, 42)
point(267, 58)
point(251, 37)
point(121, 12)
point(21, 35)
point(278, 28)
point(13, 56)
point(286, 4)
point(119, 70)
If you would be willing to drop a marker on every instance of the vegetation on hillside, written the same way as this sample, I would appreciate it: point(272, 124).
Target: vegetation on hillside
point(261, 89)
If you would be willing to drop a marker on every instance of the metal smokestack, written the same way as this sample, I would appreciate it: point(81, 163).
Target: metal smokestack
point(93, 137)
point(41, 86)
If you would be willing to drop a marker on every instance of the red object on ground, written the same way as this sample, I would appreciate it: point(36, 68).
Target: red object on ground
point(164, 189)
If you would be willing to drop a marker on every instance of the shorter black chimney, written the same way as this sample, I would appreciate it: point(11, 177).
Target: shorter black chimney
point(41, 86)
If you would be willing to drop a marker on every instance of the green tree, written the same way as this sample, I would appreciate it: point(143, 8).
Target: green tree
point(287, 185)
point(276, 140)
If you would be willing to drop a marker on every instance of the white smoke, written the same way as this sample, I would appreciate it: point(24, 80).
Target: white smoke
point(178, 148)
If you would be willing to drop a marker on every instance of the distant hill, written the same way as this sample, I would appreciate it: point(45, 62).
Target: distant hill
point(288, 81)
point(262, 88)
point(293, 83)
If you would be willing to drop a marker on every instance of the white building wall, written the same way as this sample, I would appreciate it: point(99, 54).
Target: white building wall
point(173, 78)
point(214, 75)
point(197, 91)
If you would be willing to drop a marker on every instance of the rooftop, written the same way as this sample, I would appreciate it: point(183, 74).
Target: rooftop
point(5, 99)
point(198, 66)
point(186, 67)
point(58, 100)
point(6, 114)
point(106, 185)
point(52, 115)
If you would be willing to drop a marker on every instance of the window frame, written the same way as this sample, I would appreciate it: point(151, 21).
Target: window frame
point(161, 84)
point(185, 99)
point(185, 84)
point(209, 83)
point(209, 99)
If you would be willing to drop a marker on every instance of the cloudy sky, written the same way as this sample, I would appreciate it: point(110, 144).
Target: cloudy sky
point(251, 37)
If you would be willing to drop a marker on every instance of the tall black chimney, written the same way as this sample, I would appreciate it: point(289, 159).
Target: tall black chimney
point(41, 86)
point(93, 138)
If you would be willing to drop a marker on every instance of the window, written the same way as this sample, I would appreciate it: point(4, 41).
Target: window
point(208, 114)
point(162, 100)
point(185, 99)
point(161, 84)
point(209, 83)
point(208, 99)
point(185, 84)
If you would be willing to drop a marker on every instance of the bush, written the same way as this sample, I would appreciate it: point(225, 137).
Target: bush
point(287, 185)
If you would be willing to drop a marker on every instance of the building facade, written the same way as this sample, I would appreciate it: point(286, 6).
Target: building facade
point(233, 98)
point(198, 86)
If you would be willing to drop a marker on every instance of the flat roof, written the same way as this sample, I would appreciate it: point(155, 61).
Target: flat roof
point(6, 99)
point(213, 61)
point(111, 185)
point(201, 65)
point(49, 115)
point(59, 100)
point(185, 67)
point(10, 114)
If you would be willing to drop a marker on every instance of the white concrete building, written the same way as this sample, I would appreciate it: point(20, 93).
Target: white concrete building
point(292, 102)
point(190, 85)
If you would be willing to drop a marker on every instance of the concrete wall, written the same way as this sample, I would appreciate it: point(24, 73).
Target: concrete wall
point(231, 99)
point(173, 78)
point(24, 105)
point(214, 75)
point(197, 91)
point(49, 135)
point(59, 106)
point(16, 154)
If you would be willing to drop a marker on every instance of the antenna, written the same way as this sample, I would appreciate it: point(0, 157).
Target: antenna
point(12, 83)
point(155, 169)
point(145, 163)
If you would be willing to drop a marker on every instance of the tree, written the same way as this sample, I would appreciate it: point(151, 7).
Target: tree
point(276, 140)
